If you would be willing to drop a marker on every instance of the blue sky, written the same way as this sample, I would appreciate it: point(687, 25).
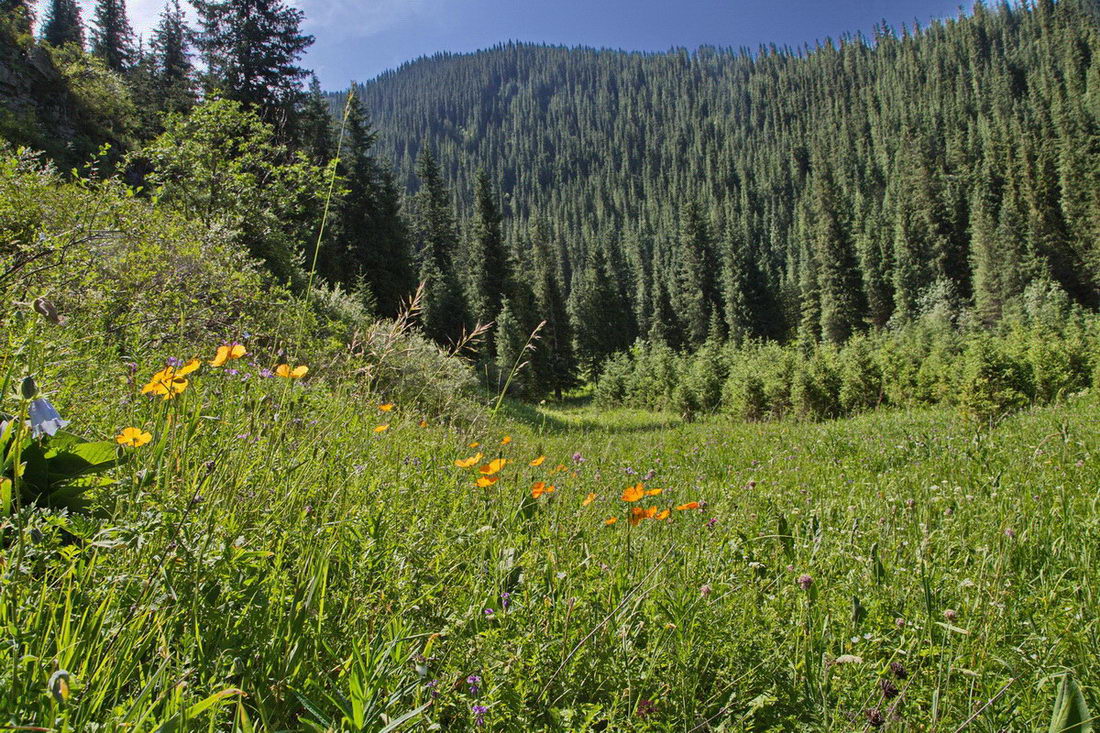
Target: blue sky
point(357, 39)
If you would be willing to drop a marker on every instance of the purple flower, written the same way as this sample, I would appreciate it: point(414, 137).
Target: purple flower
point(578, 458)
point(474, 681)
point(649, 475)
point(711, 522)
point(805, 581)
point(232, 372)
point(433, 686)
point(489, 612)
point(479, 714)
point(267, 373)
point(44, 418)
point(174, 362)
point(505, 600)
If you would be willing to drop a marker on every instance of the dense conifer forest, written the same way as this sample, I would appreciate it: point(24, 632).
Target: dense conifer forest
point(782, 193)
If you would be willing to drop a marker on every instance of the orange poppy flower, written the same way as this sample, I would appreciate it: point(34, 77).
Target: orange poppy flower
point(610, 520)
point(538, 461)
point(588, 500)
point(662, 515)
point(284, 370)
point(381, 428)
point(633, 493)
point(637, 514)
point(654, 492)
point(467, 462)
point(686, 507)
point(493, 466)
point(227, 352)
point(541, 488)
point(484, 481)
point(559, 468)
point(506, 440)
point(386, 407)
point(423, 423)
point(475, 444)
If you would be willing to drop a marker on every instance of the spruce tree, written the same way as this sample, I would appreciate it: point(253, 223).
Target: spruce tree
point(20, 13)
point(838, 278)
point(112, 36)
point(698, 274)
point(598, 313)
point(489, 274)
point(555, 361)
point(174, 71)
point(63, 24)
point(435, 233)
point(251, 48)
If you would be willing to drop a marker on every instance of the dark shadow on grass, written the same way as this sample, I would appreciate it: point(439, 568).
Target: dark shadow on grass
point(545, 419)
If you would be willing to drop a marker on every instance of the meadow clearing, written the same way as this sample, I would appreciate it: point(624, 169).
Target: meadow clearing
point(284, 551)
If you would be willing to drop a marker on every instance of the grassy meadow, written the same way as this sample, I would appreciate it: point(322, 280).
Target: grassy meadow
point(296, 554)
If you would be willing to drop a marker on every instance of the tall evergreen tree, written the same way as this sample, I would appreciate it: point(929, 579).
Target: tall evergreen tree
point(112, 36)
point(63, 24)
point(838, 278)
point(597, 312)
point(20, 13)
point(251, 49)
point(435, 233)
point(490, 275)
point(175, 73)
point(698, 274)
point(555, 361)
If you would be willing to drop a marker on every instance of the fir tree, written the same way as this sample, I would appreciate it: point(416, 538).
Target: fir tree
point(435, 234)
point(597, 312)
point(838, 279)
point(556, 364)
point(251, 48)
point(490, 275)
point(20, 13)
point(172, 61)
point(112, 36)
point(63, 24)
point(698, 273)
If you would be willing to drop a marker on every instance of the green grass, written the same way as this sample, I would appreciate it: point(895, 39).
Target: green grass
point(284, 567)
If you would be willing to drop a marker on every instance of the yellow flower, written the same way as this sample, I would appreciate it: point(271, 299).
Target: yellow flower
point(423, 423)
point(662, 515)
point(284, 370)
point(653, 492)
point(610, 520)
point(467, 462)
point(170, 381)
point(538, 461)
point(227, 352)
point(484, 481)
point(382, 428)
point(386, 407)
point(506, 440)
point(494, 466)
point(475, 444)
point(133, 437)
point(588, 499)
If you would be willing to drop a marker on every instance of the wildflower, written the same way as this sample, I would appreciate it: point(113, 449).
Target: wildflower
point(44, 418)
point(171, 380)
point(805, 581)
point(705, 590)
point(899, 670)
point(646, 708)
point(133, 437)
point(489, 612)
point(505, 600)
point(889, 689)
point(485, 481)
point(473, 681)
point(1010, 533)
point(538, 461)
point(649, 475)
point(654, 492)
point(423, 423)
point(662, 515)
point(610, 520)
point(386, 407)
point(686, 507)
point(467, 462)
point(285, 370)
point(267, 373)
point(712, 522)
point(506, 440)
point(227, 352)
point(637, 514)
point(578, 458)
point(493, 466)
point(633, 493)
point(875, 718)
point(479, 714)
point(588, 499)
point(541, 488)
point(28, 389)
point(382, 428)
point(434, 687)
point(950, 614)
point(475, 444)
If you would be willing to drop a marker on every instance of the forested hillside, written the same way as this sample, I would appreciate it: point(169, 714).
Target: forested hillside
point(780, 192)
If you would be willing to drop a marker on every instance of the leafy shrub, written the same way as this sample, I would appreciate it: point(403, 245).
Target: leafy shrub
point(815, 389)
point(860, 376)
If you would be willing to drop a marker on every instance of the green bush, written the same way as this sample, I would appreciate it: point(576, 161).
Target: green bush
point(993, 383)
